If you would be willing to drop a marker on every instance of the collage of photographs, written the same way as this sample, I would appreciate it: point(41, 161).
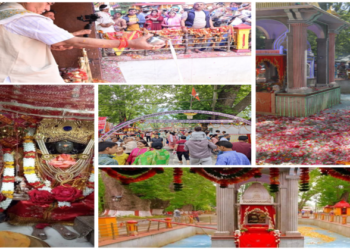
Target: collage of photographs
point(259, 92)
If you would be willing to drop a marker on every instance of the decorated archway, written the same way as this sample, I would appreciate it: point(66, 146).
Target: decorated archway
point(124, 124)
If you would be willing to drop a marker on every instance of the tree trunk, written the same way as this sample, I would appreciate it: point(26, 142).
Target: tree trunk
point(204, 127)
point(345, 196)
point(215, 97)
point(245, 102)
point(226, 99)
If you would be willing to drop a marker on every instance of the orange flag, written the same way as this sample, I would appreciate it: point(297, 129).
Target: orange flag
point(194, 94)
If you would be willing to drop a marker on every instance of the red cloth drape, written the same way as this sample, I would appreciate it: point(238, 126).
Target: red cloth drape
point(280, 62)
point(258, 240)
point(28, 212)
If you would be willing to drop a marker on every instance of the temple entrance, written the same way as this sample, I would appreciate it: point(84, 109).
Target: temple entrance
point(256, 215)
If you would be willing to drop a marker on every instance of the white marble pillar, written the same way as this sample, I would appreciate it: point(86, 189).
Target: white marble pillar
point(292, 208)
point(282, 201)
point(225, 209)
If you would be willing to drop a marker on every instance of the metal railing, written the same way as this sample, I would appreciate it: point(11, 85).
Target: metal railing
point(220, 41)
point(327, 217)
point(112, 231)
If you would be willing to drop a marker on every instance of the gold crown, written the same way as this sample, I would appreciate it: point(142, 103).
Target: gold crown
point(58, 130)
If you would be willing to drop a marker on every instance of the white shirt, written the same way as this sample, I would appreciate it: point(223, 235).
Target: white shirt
point(104, 19)
point(199, 19)
point(38, 28)
point(223, 139)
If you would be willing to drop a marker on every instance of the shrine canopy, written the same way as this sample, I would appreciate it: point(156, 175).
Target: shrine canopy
point(342, 204)
point(47, 101)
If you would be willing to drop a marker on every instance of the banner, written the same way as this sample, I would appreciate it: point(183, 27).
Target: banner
point(102, 123)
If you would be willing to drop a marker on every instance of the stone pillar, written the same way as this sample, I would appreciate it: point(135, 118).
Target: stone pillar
point(292, 205)
point(331, 57)
point(282, 207)
point(297, 58)
point(322, 61)
point(225, 209)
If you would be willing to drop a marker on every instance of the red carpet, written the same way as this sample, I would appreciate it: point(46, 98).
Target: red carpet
point(257, 237)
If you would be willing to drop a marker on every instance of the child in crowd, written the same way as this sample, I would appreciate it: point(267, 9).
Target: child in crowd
point(120, 156)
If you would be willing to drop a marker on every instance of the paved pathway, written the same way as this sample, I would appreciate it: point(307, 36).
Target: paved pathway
point(316, 237)
point(345, 103)
point(175, 161)
point(197, 241)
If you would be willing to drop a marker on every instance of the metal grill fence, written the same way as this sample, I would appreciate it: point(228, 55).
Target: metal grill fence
point(221, 41)
point(112, 231)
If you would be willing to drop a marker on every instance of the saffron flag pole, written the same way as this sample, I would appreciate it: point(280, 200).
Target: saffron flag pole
point(194, 94)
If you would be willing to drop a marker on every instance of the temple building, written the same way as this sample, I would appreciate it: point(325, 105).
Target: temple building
point(276, 219)
point(303, 84)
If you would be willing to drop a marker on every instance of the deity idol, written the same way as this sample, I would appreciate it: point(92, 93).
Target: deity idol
point(58, 171)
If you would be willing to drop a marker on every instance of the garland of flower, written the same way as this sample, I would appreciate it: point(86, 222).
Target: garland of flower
point(8, 181)
point(113, 172)
point(274, 180)
point(339, 173)
point(225, 177)
point(29, 163)
point(304, 180)
point(177, 179)
point(257, 173)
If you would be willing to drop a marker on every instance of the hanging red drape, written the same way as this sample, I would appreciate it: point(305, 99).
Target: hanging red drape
point(280, 62)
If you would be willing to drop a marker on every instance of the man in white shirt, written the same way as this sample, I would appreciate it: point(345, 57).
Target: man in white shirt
point(26, 35)
point(105, 22)
point(196, 18)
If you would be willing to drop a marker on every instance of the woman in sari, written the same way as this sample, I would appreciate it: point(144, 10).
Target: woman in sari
point(142, 147)
point(172, 140)
point(159, 156)
point(154, 20)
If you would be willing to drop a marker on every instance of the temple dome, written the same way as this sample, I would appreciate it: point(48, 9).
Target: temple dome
point(342, 204)
point(256, 194)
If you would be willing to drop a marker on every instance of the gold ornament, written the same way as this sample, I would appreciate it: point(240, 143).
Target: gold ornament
point(54, 130)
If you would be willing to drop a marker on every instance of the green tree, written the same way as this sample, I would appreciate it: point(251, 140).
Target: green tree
point(228, 99)
point(260, 39)
point(325, 190)
point(196, 191)
point(125, 102)
point(101, 193)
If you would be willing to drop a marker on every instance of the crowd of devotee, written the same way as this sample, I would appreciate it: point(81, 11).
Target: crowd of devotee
point(175, 18)
point(195, 147)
